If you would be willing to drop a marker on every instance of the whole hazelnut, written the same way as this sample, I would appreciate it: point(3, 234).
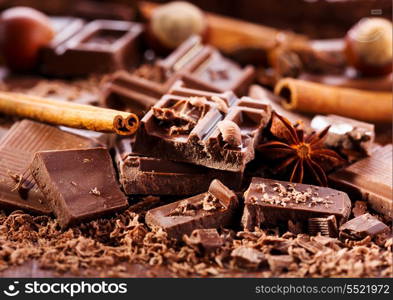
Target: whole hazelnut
point(369, 46)
point(23, 32)
point(171, 24)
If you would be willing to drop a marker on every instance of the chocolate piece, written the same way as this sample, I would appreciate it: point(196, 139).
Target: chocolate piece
point(325, 226)
point(154, 176)
point(363, 226)
point(352, 138)
point(17, 187)
point(205, 240)
point(369, 179)
point(98, 47)
point(186, 130)
point(272, 202)
point(212, 72)
point(141, 89)
point(127, 91)
point(78, 184)
point(247, 257)
point(65, 28)
point(212, 209)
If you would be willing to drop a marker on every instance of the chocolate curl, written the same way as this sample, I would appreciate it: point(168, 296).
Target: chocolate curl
point(310, 97)
point(68, 114)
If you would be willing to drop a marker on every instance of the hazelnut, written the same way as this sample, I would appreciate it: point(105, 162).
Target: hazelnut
point(23, 32)
point(369, 46)
point(171, 24)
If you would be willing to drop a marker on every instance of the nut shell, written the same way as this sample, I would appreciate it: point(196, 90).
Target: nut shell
point(368, 46)
point(23, 32)
point(171, 24)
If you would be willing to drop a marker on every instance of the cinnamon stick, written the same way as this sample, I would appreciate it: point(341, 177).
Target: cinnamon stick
point(306, 96)
point(229, 34)
point(382, 84)
point(68, 113)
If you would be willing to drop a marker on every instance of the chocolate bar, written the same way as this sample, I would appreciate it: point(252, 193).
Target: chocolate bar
point(211, 71)
point(189, 129)
point(360, 227)
point(17, 187)
point(272, 202)
point(352, 138)
point(154, 176)
point(141, 89)
point(78, 184)
point(212, 209)
point(369, 179)
point(101, 46)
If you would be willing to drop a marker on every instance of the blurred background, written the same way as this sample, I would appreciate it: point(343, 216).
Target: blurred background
point(316, 18)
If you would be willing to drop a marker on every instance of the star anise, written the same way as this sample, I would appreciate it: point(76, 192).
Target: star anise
point(298, 152)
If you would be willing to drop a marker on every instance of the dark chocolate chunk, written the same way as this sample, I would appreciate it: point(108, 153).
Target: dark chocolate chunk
point(141, 89)
point(18, 189)
point(325, 226)
point(369, 179)
point(128, 91)
point(273, 202)
point(154, 176)
point(100, 46)
point(188, 129)
point(349, 137)
point(212, 209)
point(247, 257)
point(363, 226)
point(78, 184)
point(213, 72)
point(205, 240)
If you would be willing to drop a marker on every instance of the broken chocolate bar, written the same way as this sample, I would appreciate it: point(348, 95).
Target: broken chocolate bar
point(78, 184)
point(349, 137)
point(213, 209)
point(272, 202)
point(154, 176)
point(100, 46)
point(369, 179)
point(363, 226)
point(141, 89)
point(130, 92)
point(17, 148)
point(213, 72)
point(206, 131)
